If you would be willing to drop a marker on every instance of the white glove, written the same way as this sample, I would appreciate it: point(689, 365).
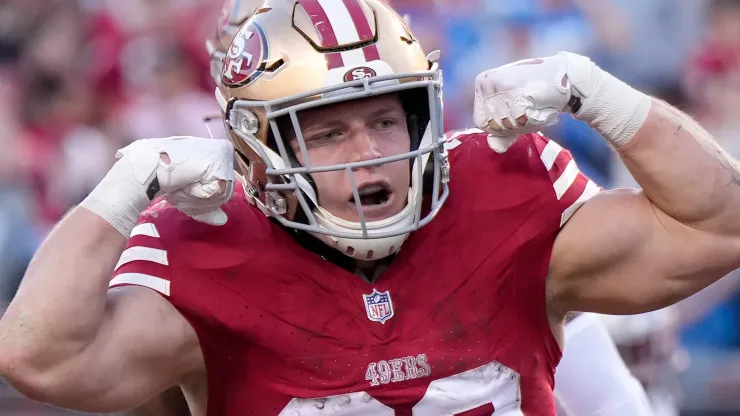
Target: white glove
point(525, 96)
point(195, 175)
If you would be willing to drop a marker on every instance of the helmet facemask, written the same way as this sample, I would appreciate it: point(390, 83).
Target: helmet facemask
point(420, 94)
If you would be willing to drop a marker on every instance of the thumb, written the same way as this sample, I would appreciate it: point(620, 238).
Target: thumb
point(216, 217)
point(500, 144)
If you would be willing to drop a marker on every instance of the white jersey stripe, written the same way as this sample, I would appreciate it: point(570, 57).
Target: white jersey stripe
point(147, 229)
point(457, 134)
point(140, 253)
point(566, 179)
point(550, 153)
point(160, 285)
point(589, 192)
point(451, 144)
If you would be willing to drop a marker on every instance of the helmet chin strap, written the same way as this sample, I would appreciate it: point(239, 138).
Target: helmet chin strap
point(367, 248)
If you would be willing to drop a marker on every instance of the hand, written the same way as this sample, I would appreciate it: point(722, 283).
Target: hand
point(195, 175)
point(524, 96)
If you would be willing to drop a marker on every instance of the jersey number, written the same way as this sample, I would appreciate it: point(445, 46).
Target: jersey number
point(491, 388)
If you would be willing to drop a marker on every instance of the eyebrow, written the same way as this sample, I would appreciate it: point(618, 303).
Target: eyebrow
point(333, 123)
point(324, 124)
point(384, 111)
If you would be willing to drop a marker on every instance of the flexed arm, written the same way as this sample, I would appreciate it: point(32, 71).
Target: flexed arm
point(625, 251)
point(67, 340)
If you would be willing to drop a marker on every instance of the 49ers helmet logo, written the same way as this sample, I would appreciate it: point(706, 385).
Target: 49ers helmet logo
point(246, 59)
point(359, 73)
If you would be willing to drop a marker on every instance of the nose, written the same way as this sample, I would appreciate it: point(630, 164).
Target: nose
point(365, 147)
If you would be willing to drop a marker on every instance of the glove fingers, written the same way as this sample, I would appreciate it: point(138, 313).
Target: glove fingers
point(185, 201)
point(501, 111)
point(192, 160)
point(205, 190)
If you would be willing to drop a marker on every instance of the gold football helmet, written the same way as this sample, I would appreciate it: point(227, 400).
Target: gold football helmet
point(233, 14)
point(293, 55)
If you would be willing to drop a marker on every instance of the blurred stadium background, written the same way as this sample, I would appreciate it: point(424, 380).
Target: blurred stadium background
point(82, 78)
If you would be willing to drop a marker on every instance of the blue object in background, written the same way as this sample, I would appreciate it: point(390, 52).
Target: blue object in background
point(589, 149)
point(718, 329)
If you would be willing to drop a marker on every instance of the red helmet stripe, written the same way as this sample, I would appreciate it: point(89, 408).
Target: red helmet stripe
point(327, 36)
point(334, 60)
point(341, 22)
point(321, 22)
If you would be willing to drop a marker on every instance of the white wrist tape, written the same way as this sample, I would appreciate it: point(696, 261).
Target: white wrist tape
point(610, 106)
point(121, 196)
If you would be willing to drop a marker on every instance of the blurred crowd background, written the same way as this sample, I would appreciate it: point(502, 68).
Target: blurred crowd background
point(82, 78)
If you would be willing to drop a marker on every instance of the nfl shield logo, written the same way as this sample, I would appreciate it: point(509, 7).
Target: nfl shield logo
point(378, 306)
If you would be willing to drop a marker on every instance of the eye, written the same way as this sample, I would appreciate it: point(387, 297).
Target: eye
point(325, 137)
point(385, 123)
point(332, 135)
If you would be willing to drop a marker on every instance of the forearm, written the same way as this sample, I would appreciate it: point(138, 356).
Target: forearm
point(59, 306)
point(684, 172)
point(65, 336)
point(681, 169)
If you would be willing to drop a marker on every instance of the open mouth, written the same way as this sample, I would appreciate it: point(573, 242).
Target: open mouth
point(373, 194)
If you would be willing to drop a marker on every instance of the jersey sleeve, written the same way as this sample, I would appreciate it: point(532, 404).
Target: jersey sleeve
point(571, 187)
point(145, 260)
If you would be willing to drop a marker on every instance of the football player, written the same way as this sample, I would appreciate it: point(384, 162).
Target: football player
point(592, 378)
point(360, 263)
point(649, 344)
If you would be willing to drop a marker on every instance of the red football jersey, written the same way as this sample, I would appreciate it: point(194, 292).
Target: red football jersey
point(455, 325)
